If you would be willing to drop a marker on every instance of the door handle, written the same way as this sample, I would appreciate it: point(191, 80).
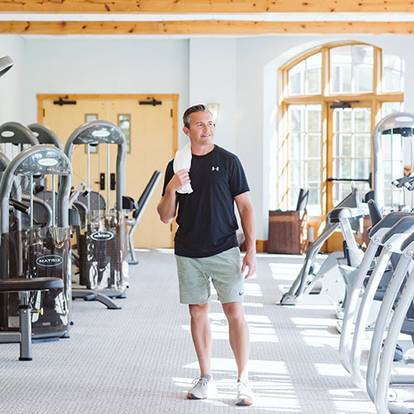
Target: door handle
point(113, 181)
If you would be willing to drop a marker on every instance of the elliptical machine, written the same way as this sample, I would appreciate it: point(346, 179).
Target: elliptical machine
point(341, 217)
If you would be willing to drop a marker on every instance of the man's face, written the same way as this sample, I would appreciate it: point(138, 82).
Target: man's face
point(201, 128)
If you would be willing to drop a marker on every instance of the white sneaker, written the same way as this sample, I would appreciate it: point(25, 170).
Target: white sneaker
point(244, 394)
point(205, 387)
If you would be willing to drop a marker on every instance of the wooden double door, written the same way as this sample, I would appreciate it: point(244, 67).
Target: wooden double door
point(150, 125)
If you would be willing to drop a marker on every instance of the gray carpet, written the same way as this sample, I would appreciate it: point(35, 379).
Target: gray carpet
point(140, 359)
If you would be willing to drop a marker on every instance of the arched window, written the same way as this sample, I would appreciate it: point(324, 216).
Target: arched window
point(331, 98)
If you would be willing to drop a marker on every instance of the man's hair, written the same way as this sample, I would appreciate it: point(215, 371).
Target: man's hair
point(192, 109)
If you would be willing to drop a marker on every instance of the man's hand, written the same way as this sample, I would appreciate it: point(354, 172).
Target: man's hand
point(167, 206)
point(248, 268)
point(179, 179)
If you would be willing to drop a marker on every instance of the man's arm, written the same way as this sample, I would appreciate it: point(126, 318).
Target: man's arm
point(245, 208)
point(167, 207)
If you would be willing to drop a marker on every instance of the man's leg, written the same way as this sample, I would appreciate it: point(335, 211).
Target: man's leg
point(200, 331)
point(238, 336)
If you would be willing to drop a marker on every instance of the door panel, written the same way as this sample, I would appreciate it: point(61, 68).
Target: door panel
point(151, 147)
point(63, 120)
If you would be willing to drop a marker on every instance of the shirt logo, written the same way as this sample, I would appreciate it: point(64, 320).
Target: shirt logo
point(215, 168)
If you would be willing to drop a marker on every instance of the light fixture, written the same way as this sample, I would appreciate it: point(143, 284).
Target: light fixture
point(214, 109)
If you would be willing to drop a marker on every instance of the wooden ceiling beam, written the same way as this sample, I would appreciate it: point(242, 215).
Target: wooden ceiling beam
point(195, 27)
point(204, 6)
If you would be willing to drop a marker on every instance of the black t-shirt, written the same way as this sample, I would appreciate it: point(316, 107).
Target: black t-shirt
point(206, 221)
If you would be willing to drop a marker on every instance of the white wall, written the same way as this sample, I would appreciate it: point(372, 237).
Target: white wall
point(11, 82)
point(11, 91)
point(213, 80)
point(76, 65)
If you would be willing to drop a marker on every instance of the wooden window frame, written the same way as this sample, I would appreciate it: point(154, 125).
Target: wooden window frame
point(374, 98)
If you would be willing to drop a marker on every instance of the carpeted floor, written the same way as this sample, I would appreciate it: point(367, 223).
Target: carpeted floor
point(140, 359)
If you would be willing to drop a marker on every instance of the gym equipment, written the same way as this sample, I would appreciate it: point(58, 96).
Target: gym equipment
point(137, 211)
point(352, 306)
point(405, 265)
point(341, 218)
point(101, 244)
point(24, 287)
point(45, 135)
point(45, 250)
point(395, 400)
point(6, 63)
point(370, 283)
point(401, 123)
point(391, 244)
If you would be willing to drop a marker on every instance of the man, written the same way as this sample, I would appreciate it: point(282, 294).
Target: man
point(206, 246)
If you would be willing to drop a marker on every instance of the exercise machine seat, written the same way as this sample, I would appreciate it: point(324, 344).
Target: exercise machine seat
point(27, 285)
point(24, 336)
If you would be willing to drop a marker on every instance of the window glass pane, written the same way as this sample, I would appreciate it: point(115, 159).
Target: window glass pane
point(363, 68)
point(345, 117)
point(313, 74)
point(362, 168)
point(294, 173)
point(295, 146)
point(304, 126)
point(346, 145)
point(389, 107)
point(305, 77)
point(352, 69)
point(314, 195)
point(364, 76)
point(296, 79)
point(314, 142)
point(314, 119)
point(392, 73)
point(362, 120)
point(312, 171)
point(345, 168)
point(337, 145)
point(362, 145)
point(295, 118)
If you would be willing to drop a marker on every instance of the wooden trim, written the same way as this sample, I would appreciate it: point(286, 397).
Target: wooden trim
point(40, 107)
point(328, 186)
point(110, 96)
point(304, 99)
point(204, 6)
point(377, 80)
point(317, 99)
point(175, 123)
point(206, 27)
point(261, 246)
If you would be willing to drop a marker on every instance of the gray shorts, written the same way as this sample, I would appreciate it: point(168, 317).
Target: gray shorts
point(223, 269)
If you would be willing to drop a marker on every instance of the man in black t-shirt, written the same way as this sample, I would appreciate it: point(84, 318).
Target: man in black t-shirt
point(206, 247)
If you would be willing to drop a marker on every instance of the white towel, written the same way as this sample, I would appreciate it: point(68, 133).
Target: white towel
point(182, 160)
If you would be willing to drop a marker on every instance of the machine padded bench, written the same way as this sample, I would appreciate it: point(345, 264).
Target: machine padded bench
point(24, 336)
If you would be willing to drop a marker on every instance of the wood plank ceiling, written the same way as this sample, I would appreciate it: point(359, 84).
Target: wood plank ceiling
point(260, 17)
